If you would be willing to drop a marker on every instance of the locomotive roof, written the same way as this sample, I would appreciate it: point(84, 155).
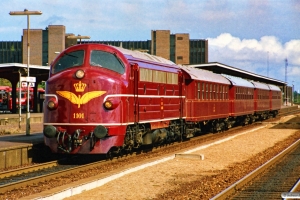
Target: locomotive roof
point(260, 85)
point(237, 81)
point(144, 56)
point(274, 87)
point(204, 75)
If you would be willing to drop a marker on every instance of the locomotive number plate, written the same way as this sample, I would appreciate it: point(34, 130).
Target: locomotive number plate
point(78, 115)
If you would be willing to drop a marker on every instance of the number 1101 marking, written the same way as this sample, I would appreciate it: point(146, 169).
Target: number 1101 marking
point(78, 115)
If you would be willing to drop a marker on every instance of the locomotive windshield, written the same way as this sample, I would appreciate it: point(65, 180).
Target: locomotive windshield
point(68, 60)
point(106, 60)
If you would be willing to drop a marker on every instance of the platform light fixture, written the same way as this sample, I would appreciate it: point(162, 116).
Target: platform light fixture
point(80, 37)
point(28, 13)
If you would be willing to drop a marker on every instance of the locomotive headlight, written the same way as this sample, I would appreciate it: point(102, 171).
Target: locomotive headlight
point(108, 105)
point(52, 104)
point(79, 74)
point(111, 104)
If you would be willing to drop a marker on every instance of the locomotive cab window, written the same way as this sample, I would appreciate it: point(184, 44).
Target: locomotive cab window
point(106, 60)
point(68, 60)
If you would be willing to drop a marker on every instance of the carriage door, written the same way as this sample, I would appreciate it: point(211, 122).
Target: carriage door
point(181, 85)
point(162, 91)
point(134, 79)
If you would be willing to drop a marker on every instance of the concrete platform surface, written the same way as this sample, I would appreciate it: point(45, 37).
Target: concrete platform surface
point(18, 149)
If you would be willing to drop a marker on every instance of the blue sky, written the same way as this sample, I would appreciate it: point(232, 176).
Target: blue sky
point(246, 34)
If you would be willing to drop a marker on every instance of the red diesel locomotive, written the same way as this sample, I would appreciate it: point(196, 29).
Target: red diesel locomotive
point(102, 99)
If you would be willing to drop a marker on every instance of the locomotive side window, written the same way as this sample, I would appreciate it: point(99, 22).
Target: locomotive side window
point(106, 60)
point(172, 78)
point(156, 76)
point(159, 77)
point(68, 60)
point(146, 75)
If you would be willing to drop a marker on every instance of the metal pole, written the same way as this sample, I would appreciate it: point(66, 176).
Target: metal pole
point(28, 92)
point(20, 112)
point(293, 100)
point(27, 12)
point(268, 65)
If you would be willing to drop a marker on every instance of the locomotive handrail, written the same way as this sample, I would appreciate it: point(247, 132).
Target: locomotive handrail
point(142, 96)
point(52, 95)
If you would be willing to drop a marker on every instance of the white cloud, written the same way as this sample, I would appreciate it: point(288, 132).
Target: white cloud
point(264, 56)
point(292, 49)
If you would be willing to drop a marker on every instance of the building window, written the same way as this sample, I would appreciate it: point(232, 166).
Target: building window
point(179, 38)
point(179, 57)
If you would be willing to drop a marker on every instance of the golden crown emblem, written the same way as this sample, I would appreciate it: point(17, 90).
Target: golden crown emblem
point(79, 87)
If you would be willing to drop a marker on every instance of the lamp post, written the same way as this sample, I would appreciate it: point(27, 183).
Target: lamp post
point(78, 37)
point(28, 13)
point(293, 100)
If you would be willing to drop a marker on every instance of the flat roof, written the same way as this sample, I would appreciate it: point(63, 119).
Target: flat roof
point(220, 68)
point(205, 75)
point(10, 71)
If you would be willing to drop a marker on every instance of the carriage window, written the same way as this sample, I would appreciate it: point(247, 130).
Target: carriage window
point(106, 60)
point(206, 91)
point(213, 92)
point(203, 89)
point(198, 90)
point(68, 60)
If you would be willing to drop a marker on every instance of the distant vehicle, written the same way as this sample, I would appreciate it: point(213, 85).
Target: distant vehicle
point(6, 98)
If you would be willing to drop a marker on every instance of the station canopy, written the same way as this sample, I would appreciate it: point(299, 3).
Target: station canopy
point(220, 68)
point(13, 71)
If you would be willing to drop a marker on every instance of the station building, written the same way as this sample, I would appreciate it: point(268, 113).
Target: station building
point(44, 45)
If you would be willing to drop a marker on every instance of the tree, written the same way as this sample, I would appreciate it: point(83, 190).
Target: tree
point(5, 82)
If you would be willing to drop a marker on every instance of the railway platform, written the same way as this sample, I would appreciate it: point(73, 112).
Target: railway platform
point(13, 119)
point(17, 148)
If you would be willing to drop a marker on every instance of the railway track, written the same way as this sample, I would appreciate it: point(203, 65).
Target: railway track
point(14, 179)
point(270, 181)
point(290, 112)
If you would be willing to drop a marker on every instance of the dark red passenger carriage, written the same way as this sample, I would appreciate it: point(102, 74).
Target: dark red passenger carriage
point(275, 99)
point(241, 99)
point(261, 100)
point(206, 99)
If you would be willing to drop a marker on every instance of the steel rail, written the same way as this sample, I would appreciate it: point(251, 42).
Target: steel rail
point(47, 177)
point(15, 172)
point(296, 186)
point(239, 184)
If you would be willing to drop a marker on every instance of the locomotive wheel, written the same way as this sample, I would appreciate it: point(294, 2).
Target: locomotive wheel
point(129, 151)
point(121, 153)
point(109, 155)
